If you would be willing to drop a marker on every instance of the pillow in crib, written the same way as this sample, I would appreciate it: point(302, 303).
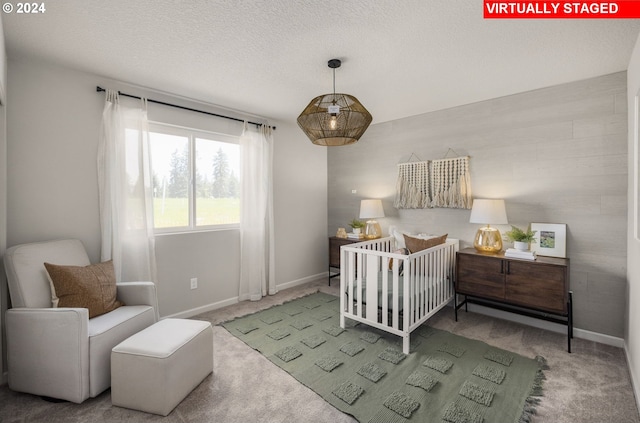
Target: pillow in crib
point(398, 235)
point(403, 251)
point(418, 244)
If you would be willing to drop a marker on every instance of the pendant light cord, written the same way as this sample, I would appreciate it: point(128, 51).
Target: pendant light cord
point(333, 64)
point(334, 86)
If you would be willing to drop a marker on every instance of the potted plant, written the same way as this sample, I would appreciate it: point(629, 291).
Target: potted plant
point(520, 238)
point(356, 225)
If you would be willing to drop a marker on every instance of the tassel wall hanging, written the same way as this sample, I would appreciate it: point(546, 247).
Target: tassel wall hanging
point(412, 187)
point(451, 183)
point(434, 183)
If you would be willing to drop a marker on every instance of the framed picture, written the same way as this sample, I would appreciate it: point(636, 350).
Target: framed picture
point(551, 239)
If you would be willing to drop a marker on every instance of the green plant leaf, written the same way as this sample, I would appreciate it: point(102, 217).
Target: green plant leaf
point(517, 234)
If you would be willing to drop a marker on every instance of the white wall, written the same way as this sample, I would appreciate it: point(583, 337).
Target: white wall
point(3, 194)
point(53, 126)
point(632, 334)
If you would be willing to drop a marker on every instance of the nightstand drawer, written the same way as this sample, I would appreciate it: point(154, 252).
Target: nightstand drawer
point(479, 276)
point(537, 286)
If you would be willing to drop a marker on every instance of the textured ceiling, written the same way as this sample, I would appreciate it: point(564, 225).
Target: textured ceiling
point(269, 58)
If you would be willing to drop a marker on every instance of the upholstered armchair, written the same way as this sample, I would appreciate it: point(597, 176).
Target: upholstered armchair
point(60, 352)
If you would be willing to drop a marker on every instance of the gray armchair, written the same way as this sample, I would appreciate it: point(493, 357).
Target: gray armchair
point(60, 352)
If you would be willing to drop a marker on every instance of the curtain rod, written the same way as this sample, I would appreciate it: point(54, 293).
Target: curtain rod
point(100, 89)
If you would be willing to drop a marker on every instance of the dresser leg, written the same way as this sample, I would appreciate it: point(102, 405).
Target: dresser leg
point(455, 305)
point(570, 321)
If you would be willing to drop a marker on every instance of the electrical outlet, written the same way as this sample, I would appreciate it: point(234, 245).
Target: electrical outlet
point(194, 283)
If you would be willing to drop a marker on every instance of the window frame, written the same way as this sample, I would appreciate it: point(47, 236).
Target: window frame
point(192, 135)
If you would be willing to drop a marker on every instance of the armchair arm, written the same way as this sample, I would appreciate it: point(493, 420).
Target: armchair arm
point(48, 352)
point(139, 293)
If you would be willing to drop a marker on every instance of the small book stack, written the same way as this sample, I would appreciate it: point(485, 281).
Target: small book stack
point(526, 255)
point(351, 235)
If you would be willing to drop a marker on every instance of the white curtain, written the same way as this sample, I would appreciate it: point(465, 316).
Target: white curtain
point(257, 276)
point(124, 185)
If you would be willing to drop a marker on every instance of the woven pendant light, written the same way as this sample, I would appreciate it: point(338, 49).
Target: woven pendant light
point(334, 119)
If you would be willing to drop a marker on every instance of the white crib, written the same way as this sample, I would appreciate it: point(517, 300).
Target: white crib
point(369, 269)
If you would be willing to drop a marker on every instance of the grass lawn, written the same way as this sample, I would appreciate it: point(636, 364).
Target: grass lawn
point(174, 212)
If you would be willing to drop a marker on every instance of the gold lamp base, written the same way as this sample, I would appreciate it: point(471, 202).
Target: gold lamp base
point(488, 240)
point(372, 230)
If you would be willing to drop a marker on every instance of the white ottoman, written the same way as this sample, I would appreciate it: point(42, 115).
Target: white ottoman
point(156, 368)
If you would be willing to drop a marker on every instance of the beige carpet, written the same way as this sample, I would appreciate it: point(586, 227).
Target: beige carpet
point(590, 385)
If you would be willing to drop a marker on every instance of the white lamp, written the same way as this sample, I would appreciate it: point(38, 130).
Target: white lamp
point(371, 209)
point(488, 212)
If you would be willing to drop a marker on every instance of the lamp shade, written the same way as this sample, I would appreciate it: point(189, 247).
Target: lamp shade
point(488, 212)
point(334, 119)
point(333, 129)
point(371, 209)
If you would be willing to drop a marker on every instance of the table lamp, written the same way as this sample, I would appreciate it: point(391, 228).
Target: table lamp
point(371, 209)
point(488, 212)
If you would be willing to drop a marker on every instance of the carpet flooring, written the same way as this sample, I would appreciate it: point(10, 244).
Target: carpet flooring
point(362, 371)
point(591, 385)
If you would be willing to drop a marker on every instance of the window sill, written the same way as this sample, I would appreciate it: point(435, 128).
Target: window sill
point(186, 231)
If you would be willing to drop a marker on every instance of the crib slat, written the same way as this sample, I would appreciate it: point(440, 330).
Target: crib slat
point(423, 285)
point(350, 279)
point(415, 291)
point(395, 300)
point(406, 294)
point(437, 299)
point(385, 291)
point(360, 257)
point(371, 276)
point(441, 274)
point(432, 284)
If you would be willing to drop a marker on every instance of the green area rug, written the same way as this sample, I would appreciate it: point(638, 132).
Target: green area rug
point(363, 372)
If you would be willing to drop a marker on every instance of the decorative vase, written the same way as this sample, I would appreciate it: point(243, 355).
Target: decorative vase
point(356, 230)
point(521, 245)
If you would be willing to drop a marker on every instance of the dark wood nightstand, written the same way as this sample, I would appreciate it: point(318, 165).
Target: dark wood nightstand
point(535, 288)
point(334, 253)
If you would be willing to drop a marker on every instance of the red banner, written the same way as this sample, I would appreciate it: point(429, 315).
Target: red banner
point(621, 9)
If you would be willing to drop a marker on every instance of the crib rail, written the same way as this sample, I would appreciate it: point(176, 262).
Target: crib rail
point(395, 292)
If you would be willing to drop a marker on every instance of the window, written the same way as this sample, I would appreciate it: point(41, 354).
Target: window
point(195, 179)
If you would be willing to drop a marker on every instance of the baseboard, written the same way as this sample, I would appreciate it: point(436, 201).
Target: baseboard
point(202, 309)
point(543, 324)
point(302, 281)
point(601, 338)
point(634, 382)
point(224, 303)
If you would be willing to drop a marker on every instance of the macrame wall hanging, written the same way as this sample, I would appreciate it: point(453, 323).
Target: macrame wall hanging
point(451, 183)
point(412, 187)
point(434, 183)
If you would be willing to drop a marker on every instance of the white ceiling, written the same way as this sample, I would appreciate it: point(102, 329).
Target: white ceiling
point(269, 58)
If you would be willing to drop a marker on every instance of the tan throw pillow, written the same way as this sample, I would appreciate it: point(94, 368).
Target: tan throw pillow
point(92, 287)
point(418, 244)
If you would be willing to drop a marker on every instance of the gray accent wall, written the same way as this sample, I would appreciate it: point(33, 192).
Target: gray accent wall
point(632, 335)
point(556, 155)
